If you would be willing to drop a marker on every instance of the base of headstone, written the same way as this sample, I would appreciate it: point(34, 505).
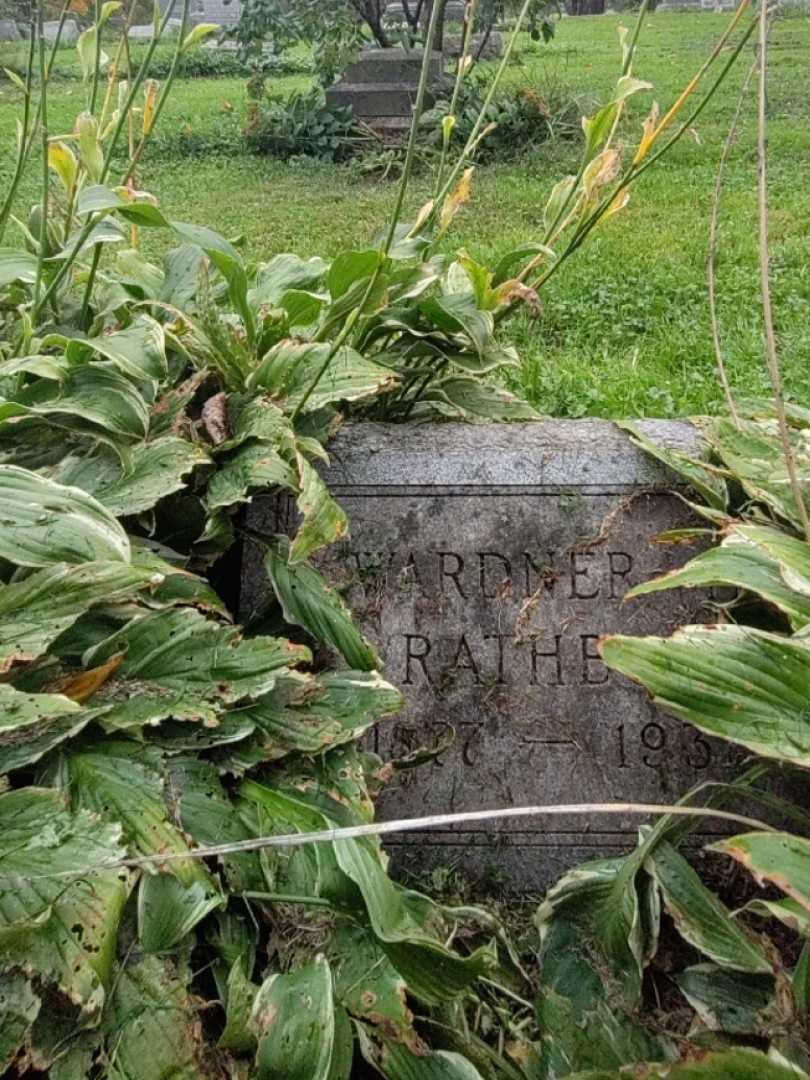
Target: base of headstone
point(485, 562)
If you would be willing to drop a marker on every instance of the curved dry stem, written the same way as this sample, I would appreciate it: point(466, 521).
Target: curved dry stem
point(764, 270)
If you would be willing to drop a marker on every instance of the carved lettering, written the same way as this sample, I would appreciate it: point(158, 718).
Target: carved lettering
point(491, 587)
point(581, 572)
point(552, 654)
point(411, 641)
point(590, 657)
point(500, 638)
point(620, 566)
point(464, 659)
point(539, 575)
point(453, 572)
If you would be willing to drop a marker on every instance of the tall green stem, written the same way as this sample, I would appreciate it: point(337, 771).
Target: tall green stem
point(410, 153)
point(92, 220)
point(447, 133)
point(355, 314)
point(25, 145)
point(633, 174)
point(473, 139)
point(97, 60)
point(46, 172)
point(164, 94)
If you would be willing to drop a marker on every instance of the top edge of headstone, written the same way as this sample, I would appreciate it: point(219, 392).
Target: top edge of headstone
point(396, 54)
point(542, 454)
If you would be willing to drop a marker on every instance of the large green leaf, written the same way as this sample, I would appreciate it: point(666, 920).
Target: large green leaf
point(154, 470)
point(208, 816)
point(290, 368)
point(17, 265)
point(152, 1027)
point(368, 985)
point(139, 351)
point(294, 1021)
point(283, 273)
point(475, 400)
point(701, 917)
point(323, 520)
point(733, 681)
point(776, 857)
point(37, 609)
point(734, 1065)
point(19, 1007)
point(92, 398)
point(707, 482)
point(308, 716)
point(754, 454)
point(98, 199)
point(743, 564)
point(123, 784)
point(252, 467)
point(398, 1062)
point(732, 1001)
point(59, 913)
point(33, 724)
point(42, 522)
point(602, 898)
point(457, 314)
point(308, 601)
point(179, 656)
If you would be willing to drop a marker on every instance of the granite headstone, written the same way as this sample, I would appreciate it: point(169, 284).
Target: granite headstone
point(485, 562)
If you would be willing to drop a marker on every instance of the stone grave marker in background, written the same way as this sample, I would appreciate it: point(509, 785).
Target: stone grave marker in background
point(485, 562)
point(380, 87)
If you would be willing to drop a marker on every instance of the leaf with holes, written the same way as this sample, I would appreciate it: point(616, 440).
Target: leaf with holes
point(700, 917)
point(42, 523)
point(323, 520)
point(154, 470)
point(122, 783)
point(308, 601)
point(59, 913)
point(37, 609)
point(739, 683)
point(152, 1027)
point(293, 1019)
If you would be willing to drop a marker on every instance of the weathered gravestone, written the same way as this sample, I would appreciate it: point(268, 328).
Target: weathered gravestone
point(485, 562)
point(9, 31)
point(380, 87)
point(69, 34)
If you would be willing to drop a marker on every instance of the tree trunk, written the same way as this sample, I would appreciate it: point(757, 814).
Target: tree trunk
point(427, 11)
point(371, 12)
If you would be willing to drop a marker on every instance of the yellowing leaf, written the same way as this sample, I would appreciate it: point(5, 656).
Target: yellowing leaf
point(89, 145)
point(453, 203)
point(150, 90)
point(198, 34)
point(63, 162)
point(618, 204)
point(82, 686)
point(648, 136)
point(602, 171)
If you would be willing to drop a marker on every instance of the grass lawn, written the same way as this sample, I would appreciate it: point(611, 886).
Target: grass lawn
point(624, 329)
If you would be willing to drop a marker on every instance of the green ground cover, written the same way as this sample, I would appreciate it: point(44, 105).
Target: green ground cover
point(624, 328)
